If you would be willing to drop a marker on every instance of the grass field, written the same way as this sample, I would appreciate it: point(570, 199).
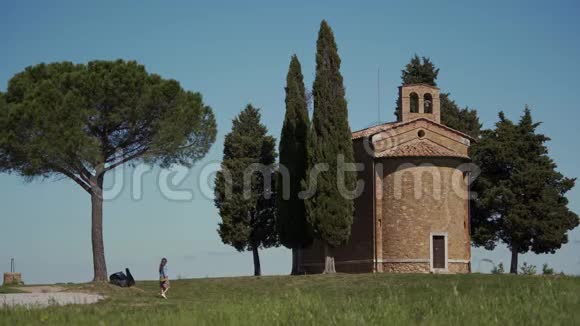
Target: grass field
point(377, 299)
point(4, 289)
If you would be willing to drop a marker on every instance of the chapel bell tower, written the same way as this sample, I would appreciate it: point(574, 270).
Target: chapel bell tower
point(419, 101)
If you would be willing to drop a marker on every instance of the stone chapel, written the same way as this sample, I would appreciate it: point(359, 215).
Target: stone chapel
point(413, 213)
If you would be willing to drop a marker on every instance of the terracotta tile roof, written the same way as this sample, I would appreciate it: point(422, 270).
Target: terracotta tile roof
point(421, 148)
point(392, 125)
point(367, 132)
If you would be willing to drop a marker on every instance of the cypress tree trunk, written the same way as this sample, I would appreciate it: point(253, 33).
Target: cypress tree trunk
point(514, 263)
point(328, 260)
point(99, 265)
point(299, 261)
point(257, 267)
point(294, 262)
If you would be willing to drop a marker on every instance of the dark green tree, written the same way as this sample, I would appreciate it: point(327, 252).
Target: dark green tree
point(292, 226)
point(245, 186)
point(330, 208)
point(83, 120)
point(521, 197)
point(420, 70)
point(461, 119)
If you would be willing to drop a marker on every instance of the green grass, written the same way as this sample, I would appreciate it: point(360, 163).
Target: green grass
point(7, 289)
point(377, 299)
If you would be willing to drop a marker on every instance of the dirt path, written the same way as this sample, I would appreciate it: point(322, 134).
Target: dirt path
point(41, 289)
point(46, 295)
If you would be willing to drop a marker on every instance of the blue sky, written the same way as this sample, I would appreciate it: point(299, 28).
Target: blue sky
point(493, 56)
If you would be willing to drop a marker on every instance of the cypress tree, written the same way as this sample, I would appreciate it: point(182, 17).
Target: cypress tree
point(243, 186)
point(420, 70)
point(292, 227)
point(465, 119)
point(521, 197)
point(329, 210)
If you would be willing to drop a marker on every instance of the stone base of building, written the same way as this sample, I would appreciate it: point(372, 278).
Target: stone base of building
point(424, 267)
point(341, 267)
point(459, 268)
point(406, 268)
point(388, 267)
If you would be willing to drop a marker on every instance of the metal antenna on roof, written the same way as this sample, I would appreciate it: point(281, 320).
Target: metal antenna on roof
point(379, 93)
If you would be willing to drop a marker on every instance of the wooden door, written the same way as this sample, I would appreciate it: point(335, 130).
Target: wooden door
point(439, 251)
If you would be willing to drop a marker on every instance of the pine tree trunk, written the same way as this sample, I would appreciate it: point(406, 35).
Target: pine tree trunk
point(299, 270)
point(257, 267)
point(294, 262)
point(514, 263)
point(328, 260)
point(99, 265)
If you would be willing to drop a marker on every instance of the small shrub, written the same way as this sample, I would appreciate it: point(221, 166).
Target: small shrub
point(498, 269)
point(547, 270)
point(528, 269)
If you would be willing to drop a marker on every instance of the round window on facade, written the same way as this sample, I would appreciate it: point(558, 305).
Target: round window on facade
point(421, 133)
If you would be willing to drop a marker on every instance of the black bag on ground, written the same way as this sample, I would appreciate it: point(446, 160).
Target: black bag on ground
point(121, 279)
point(130, 279)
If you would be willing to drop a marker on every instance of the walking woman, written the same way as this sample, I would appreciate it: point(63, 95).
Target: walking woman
point(163, 278)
